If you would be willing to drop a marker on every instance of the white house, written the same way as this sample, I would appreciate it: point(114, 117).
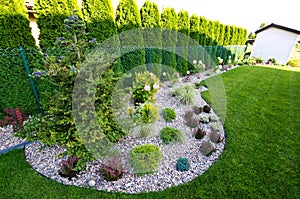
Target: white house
point(275, 41)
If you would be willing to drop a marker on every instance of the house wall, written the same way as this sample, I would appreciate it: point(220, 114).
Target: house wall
point(274, 43)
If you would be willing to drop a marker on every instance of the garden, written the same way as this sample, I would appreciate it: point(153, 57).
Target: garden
point(157, 120)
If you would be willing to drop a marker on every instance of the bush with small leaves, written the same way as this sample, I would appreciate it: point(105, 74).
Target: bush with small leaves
point(216, 126)
point(182, 164)
point(199, 133)
point(207, 148)
point(145, 159)
point(215, 137)
point(169, 114)
point(169, 134)
point(112, 169)
point(68, 167)
point(203, 118)
point(197, 109)
point(191, 120)
point(206, 109)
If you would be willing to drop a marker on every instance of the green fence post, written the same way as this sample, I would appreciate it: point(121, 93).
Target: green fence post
point(31, 80)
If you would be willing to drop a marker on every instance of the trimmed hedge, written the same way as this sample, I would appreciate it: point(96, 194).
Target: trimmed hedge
point(150, 18)
point(169, 22)
point(99, 18)
point(15, 87)
point(127, 18)
point(183, 25)
point(14, 25)
point(194, 34)
point(50, 16)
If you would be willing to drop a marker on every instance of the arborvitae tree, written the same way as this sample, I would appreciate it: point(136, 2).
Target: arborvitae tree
point(232, 32)
point(183, 25)
point(244, 37)
point(169, 22)
point(194, 35)
point(99, 18)
point(100, 22)
point(203, 31)
point(227, 35)
point(128, 18)
point(150, 18)
point(14, 25)
point(221, 35)
point(50, 16)
point(216, 32)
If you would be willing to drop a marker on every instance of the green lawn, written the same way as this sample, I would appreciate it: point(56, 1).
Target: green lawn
point(261, 158)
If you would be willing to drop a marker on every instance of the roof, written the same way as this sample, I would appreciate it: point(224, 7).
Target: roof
point(279, 27)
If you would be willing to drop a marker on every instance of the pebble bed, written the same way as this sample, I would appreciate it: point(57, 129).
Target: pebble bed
point(7, 138)
point(46, 161)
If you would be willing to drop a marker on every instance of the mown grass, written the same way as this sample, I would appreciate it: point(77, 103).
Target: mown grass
point(260, 160)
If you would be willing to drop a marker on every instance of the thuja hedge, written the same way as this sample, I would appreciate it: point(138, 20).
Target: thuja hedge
point(50, 16)
point(15, 87)
point(14, 25)
point(150, 18)
point(169, 22)
point(127, 18)
point(183, 25)
point(99, 18)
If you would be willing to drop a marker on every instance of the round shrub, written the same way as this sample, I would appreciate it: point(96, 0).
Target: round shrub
point(182, 164)
point(169, 114)
point(206, 109)
point(169, 134)
point(145, 158)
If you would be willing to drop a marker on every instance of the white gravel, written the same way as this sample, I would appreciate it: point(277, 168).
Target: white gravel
point(7, 138)
point(45, 160)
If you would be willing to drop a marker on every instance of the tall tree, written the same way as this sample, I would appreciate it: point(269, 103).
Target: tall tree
point(203, 31)
point(50, 16)
point(221, 35)
point(169, 22)
point(150, 18)
point(14, 25)
point(183, 25)
point(99, 18)
point(194, 35)
point(128, 18)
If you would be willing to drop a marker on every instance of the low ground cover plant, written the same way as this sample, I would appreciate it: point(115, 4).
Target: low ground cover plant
point(112, 169)
point(182, 164)
point(169, 134)
point(68, 167)
point(191, 120)
point(169, 114)
point(207, 148)
point(199, 133)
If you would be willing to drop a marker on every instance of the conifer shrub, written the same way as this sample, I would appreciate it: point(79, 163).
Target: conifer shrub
point(128, 18)
point(169, 22)
point(144, 159)
point(14, 28)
